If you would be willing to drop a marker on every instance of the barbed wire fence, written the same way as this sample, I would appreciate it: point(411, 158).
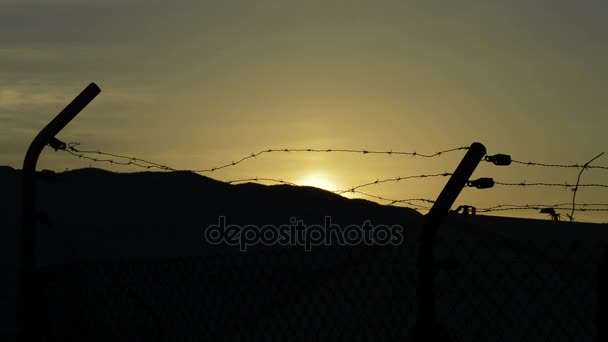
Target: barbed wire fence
point(488, 285)
point(520, 283)
point(102, 157)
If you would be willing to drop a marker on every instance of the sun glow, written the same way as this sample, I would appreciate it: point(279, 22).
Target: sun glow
point(318, 180)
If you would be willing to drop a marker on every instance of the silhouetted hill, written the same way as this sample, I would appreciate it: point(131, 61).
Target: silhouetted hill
point(151, 214)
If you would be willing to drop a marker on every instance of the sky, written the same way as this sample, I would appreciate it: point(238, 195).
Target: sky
point(193, 84)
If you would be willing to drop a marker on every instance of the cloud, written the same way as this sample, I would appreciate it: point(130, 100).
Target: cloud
point(27, 53)
point(27, 106)
point(25, 94)
point(58, 2)
point(12, 98)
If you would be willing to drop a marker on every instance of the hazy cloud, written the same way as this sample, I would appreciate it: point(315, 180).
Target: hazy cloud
point(18, 96)
point(27, 53)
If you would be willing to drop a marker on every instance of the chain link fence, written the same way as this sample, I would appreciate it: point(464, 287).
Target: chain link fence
point(268, 294)
point(489, 288)
point(517, 289)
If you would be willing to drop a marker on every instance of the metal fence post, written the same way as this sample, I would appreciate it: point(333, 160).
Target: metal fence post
point(602, 294)
point(27, 304)
point(426, 327)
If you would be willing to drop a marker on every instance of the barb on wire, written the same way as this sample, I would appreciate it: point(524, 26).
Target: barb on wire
point(394, 179)
point(578, 179)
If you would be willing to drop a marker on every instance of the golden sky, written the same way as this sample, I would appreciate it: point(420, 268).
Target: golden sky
point(195, 83)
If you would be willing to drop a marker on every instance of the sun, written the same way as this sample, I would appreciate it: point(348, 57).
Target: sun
point(318, 180)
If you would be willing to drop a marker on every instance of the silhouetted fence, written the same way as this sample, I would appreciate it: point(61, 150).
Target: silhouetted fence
point(496, 289)
point(468, 282)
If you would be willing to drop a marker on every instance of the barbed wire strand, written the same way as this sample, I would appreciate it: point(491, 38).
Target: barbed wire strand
point(408, 201)
point(575, 166)
point(500, 207)
point(536, 208)
point(130, 160)
point(554, 206)
point(394, 179)
point(72, 149)
point(566, 185)
point(260, 179)
point(313, 150)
